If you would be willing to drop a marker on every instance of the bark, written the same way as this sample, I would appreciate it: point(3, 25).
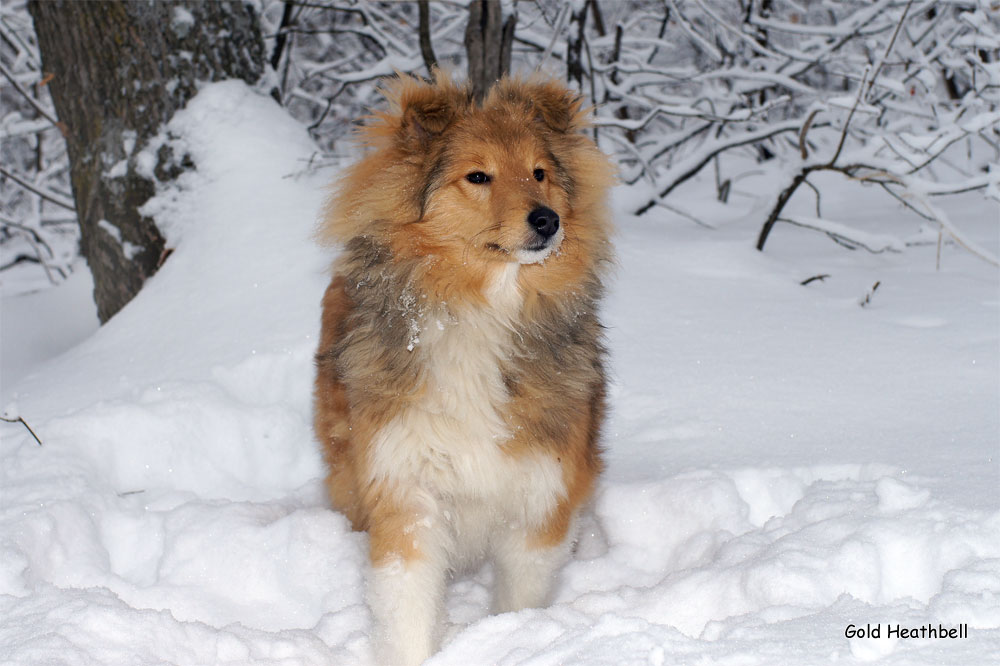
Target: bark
point(120, 70)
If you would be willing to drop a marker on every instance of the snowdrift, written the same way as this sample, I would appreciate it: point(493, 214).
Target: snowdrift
point(783, 463)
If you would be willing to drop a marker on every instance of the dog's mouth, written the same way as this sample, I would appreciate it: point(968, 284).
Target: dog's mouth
point(538, 249)
point(533, 251)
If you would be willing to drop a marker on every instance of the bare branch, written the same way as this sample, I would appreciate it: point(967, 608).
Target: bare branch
point(282, 37)
point(846, 236)
point(44, 193)
point(426, 50)
point(701, 160)
point(46, 113)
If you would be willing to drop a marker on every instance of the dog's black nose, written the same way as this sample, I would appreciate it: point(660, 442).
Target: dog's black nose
point(544, 220)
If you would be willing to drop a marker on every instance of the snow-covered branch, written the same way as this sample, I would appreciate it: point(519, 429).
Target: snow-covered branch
point(34, 178)
point(889, 87)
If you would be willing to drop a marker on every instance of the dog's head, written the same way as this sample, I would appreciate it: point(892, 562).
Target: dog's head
point(496, 177)
point(508, 179)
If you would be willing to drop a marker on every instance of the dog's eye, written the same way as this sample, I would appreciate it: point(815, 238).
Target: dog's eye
point(478, 178)
point(539, 175)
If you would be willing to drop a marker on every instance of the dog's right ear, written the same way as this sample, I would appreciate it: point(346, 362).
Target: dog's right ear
point(426, 116)
point(425, 110)
point(418, 112)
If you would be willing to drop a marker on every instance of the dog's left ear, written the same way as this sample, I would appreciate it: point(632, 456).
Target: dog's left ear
point(557, 107)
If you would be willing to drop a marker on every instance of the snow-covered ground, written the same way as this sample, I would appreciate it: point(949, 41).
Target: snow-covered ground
point(783, 462)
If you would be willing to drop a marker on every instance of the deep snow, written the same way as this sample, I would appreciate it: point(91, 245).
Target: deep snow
point(782, 461)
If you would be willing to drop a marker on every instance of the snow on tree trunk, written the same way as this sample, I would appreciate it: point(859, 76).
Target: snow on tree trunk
point(119, 70)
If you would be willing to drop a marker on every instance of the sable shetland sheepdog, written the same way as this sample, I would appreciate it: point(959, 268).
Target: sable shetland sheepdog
point(460, 385)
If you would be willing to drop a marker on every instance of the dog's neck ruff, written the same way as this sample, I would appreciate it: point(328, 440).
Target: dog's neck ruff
point(504, 293)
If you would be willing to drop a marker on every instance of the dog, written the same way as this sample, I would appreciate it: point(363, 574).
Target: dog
point(460, 374)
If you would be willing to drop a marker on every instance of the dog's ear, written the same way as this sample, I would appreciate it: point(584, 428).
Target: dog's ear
point(557, 107)
point(546, 99)
point(426, 115)
point(418, 111)
point(427, 109)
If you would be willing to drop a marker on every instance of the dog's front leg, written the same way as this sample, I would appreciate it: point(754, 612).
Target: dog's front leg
point(407, 584)
point(526, 569)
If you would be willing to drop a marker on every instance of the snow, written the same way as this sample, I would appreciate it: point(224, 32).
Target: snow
point(782, 463)
point(130, 250)
point(35, 327)
point(181, 21)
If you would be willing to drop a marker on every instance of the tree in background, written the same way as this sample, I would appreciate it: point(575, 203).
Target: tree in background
point(117, 72)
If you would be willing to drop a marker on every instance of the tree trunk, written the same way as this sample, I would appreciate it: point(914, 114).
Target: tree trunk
point(488, 42)
point(120, 69)
point(574, 48)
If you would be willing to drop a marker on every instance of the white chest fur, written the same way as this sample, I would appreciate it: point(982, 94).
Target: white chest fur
point(449, 447)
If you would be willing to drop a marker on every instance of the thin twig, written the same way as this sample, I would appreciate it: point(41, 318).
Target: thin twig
point(684, 214)
point(864, 302)
point(40, 191)
point(25, 424)
point(888, 48)
point(37, 243)
point(816, 192)
point(847, 123)
point(805, 130)
point(48, 115)
point(841, 238)
point(556, 31)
